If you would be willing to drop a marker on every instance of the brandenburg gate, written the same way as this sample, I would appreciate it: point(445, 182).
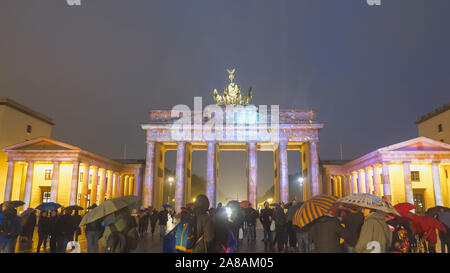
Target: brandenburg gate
point(231, 124)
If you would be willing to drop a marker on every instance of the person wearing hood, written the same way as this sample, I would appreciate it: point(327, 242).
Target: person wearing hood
point(353, 221)
point(326, 232)
point(205, 229)
point(375, 235)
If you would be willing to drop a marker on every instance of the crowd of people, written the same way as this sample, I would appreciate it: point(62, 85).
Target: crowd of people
point(225, 228)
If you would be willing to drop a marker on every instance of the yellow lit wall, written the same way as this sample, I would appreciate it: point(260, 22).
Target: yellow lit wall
point(429, 128)
point(39, 182)
point(426, 183)
point(13, 129)
point(445, 183)
point(397, 183)
point(18, 184)
point(65, 179)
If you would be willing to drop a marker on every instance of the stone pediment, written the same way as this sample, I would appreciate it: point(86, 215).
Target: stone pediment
point(40, 144)
point(418, 144)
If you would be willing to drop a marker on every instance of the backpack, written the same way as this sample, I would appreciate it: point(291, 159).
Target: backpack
point(185, 236)
point(124, 241)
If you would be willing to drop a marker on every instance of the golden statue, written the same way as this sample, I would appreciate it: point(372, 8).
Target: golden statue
point(232, 94)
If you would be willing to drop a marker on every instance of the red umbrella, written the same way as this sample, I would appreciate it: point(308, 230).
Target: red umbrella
point(404, 208)
point(244, 204)
point(424, 223)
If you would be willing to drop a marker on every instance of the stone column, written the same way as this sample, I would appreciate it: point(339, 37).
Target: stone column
point(102, 188)
point(180, 171)
point(149, 175)
point(211, 173)
point(94, 187)
point(124, 185)
point(74, 183)
point(117, 185)
point(408, 186)
point(9, 180)
point(109, 184)
point(376, 182)
point(354, 184)
point(314, 167)
point(131, 185)
point(367, 177)
point(328, 182)
point(55, 178)
point(283, 169)
point(138, 185)
point(386, 182)
point(85, 187)
point(28, 184)
point(252, 160)
point(437, 184)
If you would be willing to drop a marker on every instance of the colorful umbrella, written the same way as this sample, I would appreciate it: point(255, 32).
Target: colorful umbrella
point(404, 208)
point(244, 204)
point(313, 208)
point(370, 201)
point(48, 206)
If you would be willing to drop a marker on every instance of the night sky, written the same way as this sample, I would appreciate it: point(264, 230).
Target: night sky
point(97, 69)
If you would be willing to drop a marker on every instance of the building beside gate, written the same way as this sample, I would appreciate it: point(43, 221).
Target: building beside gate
point(436, 124)
point(414, 171)
point(18, 123)
point(43, 169)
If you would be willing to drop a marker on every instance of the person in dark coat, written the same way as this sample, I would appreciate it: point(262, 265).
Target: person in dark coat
point(93, 233)
point(43, 230)
point(353, 221)
point(10, 228)
point(54, 231)
point(251, 217)
point(65, 232)
point(220, 221)
point(205, 229)
point(292, 234)
point(28, 223)
point(265, 218)
point(326, 232)
point(153, 220)
point(162, 219)
point(75, 221)
point(281, 235)
point(236, 220)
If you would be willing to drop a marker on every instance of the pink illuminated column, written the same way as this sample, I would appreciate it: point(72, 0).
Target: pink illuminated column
point(437, 184)
point(283, 170)
point(386, 182)
point(74, 183)
point(408, 187)
point(376, 182)
point(9, 180)
point(252, 173)
point(180, 171)
point(360, 182)
point(367, 178)
point(28, 181)
point(119, 182)
point(354, 183)
point(314, 167)
point(54, 188)
point(211, 169)
point(148, 176)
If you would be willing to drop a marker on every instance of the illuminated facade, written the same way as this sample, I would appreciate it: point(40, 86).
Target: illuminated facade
point(414, 171)
point(18, 123)
point(436, 124)
point(44, 169)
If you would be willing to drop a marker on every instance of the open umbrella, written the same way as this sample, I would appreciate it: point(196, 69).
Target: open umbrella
point(73, 207)
point(313, 208)
point(370, 201)
point(108, 207)
point(244, 204)
point(15, 203)
point(48, 206)
point(444, 217)
point(166, 206)
point(27, 212)
point(404, 208)
point(434, 210)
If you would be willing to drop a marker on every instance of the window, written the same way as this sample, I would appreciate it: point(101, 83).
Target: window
point(419, 202)
point(48, 174)
point(45, 197)
point(415, 176)
point(29, 129)
point(80, 177)
point(439, 127)
point(442, 140)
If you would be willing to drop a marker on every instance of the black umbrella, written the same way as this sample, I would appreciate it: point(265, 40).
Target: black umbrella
point(73, 207)
point(15, 204)
point(434, 210)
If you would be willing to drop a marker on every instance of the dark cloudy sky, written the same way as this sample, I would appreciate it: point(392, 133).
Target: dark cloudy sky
point(97, 69)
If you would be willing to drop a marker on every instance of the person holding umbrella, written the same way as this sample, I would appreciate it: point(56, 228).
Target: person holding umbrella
point(43, 230)
point(10, 227)
point(375, 235)
point(93, 232)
